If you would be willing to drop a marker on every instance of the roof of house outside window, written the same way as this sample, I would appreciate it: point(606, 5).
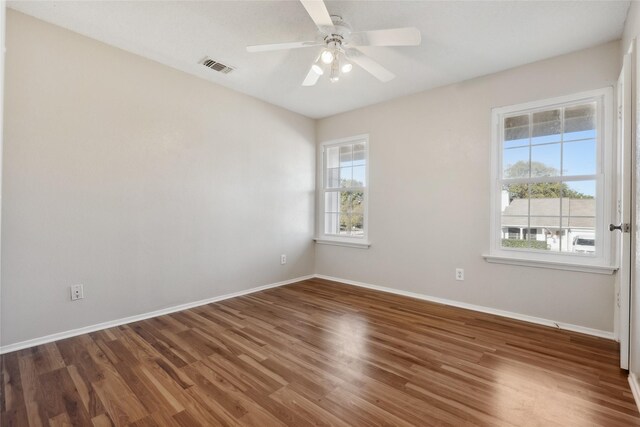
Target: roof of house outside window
point(576, 213)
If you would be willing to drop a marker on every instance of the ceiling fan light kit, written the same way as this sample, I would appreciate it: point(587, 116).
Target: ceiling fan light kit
point(335, 71)
point(341, 46)
point(327, 56)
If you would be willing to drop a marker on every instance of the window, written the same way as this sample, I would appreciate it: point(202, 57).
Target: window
point(551, 180)
point(343, 198)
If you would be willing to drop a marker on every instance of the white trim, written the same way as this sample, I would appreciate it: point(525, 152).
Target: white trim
point(635, 388)
point(320, 194)
point(348, 243)
point(479, 308)
point(527, 262)
point(110, 324)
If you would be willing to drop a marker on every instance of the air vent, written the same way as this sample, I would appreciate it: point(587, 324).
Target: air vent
point(217, 66)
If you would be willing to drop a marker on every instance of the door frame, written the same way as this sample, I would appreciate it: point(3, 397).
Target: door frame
point(624, 210)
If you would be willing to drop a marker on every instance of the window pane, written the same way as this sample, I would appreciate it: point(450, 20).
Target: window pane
point(579, 157)
point(345, 202)
point(545, 190)
point(515, 215)
point(345, 177)
point(357, 224)
point(350, 201)
point(580, 122)
point(579, 217)
point(544, 232)
point(351, 212)
point(333, 178)
point(345, 224)
point(516, 131)
point(531, 216)
point(545, 160)
point(331, 201)
point(357, 203)
point(345, 155)
point(332, 157)
point(359, 173)
point(546, 127)
point(579, 190)
point(515, 162)
point(330, 223)
point(545, 206)
point(358, 155)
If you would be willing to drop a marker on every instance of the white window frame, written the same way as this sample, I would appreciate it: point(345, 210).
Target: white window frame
point(331, 239)
point(602, 262)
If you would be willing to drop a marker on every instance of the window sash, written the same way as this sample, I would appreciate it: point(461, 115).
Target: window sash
point(363, 139)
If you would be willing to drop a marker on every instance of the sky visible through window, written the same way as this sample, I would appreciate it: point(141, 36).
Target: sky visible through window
point(562, 154)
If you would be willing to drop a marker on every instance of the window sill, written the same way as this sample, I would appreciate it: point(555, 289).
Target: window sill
point(348, 244)
point(585, 268)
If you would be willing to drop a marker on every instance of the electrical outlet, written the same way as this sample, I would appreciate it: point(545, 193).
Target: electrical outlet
point(459, 273)
point(283, 259)
point(77, 292)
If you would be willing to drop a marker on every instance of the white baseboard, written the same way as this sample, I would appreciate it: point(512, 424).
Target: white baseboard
point(635, 388)
point(480, 308)
point(110, 324)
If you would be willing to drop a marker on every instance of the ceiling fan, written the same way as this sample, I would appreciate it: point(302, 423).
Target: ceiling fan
point(341, 46)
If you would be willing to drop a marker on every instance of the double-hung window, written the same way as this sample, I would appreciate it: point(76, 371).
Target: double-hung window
point(551, 181)
point(343, 195)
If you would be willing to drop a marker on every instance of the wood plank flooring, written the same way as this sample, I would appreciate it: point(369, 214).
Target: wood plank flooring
point(319, 353)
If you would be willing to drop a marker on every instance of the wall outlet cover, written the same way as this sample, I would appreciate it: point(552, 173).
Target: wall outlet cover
point(77, 292)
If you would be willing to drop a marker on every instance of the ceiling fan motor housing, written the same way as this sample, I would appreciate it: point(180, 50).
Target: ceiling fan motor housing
point(339, 33)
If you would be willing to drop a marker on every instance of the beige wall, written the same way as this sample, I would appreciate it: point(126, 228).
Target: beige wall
point(429, 195)
point(154, 188)
point(149, 186)
point(631, 26)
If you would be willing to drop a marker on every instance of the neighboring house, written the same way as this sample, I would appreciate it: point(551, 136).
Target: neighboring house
point(540, 219)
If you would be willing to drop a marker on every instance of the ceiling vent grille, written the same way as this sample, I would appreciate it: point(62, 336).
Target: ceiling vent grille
point(217, 66)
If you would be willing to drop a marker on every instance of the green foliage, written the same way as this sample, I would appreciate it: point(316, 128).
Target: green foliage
point(517, 243)
point(541, 190)
point(521, 170)
point(351, 207)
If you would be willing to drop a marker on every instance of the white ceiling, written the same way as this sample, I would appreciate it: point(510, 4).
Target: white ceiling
point(460, 40)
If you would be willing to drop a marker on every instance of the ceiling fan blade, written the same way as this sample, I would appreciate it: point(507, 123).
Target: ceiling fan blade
point(281, 46)
point(392, 37)
point(311, 79)
point(371, 66)
point(317, 10)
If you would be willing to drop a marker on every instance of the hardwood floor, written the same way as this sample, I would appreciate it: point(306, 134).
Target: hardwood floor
point(319, 353)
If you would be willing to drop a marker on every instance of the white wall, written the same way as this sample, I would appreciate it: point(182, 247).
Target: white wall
point(429, 195)
point(149, 186)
